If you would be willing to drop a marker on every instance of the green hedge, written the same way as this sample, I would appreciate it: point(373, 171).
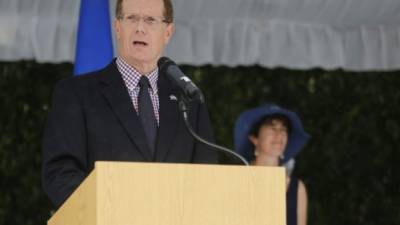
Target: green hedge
point(348, 165)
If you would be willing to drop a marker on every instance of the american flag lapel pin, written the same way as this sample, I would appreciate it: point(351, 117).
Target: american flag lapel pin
point(173, 98)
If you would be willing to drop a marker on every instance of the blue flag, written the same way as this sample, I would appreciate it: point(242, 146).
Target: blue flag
point(94, 48)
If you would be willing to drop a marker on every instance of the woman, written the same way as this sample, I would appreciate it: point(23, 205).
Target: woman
point(271, 136)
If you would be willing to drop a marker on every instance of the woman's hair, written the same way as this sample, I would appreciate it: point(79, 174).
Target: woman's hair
point(267, 120)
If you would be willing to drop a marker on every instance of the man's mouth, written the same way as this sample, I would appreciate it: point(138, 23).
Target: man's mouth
point(140, 43)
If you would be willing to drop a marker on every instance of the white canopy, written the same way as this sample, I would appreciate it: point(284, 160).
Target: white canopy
point(350, 34)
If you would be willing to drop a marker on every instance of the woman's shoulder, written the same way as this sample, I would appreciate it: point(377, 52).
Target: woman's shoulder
point(301, 189)
point(301, 183)
point(294, 181)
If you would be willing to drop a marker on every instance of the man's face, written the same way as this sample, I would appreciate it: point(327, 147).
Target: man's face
point(272, 139)
point(141, 33)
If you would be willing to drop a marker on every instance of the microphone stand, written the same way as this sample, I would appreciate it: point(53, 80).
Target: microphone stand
point(184, 109)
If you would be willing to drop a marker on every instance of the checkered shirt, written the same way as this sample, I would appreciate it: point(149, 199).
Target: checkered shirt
point(131, 78)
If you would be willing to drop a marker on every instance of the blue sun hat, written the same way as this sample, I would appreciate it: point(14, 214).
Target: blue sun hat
point(297, 137)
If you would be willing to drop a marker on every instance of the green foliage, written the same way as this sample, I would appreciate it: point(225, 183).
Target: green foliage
point(24, 102)
point(348, 166)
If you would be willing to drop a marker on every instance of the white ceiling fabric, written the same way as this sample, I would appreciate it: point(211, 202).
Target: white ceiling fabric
point(351, 34)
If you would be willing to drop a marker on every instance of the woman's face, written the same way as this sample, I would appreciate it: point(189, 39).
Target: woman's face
point(272, 139)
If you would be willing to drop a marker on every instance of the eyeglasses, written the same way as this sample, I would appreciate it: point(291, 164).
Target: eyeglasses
point(149, 21)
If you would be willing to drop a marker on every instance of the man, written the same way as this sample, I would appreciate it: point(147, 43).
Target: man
point(127, 111)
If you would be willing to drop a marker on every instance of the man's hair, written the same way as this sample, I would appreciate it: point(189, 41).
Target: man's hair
point(168, 11)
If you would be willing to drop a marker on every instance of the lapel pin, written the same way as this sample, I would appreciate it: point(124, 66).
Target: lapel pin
point(173, 98)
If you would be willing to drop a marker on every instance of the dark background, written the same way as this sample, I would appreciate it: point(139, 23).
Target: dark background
point(348, 166)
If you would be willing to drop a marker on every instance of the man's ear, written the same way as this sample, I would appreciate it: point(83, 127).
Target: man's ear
point(117, 28)
point(169, 31)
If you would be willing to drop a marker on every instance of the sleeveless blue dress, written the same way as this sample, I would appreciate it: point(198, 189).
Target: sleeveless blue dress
point(291, 202)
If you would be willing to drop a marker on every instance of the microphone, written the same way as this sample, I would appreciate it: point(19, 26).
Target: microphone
point(190, 92)
point(189, 89)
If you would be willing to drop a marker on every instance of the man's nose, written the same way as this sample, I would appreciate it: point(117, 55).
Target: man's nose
point(140, 27)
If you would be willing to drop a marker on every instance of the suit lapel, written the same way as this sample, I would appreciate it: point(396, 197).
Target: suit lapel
point(169, 115)
point(114, 90)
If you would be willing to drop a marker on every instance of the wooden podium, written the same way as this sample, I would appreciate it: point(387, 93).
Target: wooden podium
point(121, 193)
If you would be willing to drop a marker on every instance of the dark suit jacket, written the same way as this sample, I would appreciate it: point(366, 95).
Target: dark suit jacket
point(93, 119)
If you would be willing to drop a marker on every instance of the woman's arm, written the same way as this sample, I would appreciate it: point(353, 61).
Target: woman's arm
point(301, 204)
